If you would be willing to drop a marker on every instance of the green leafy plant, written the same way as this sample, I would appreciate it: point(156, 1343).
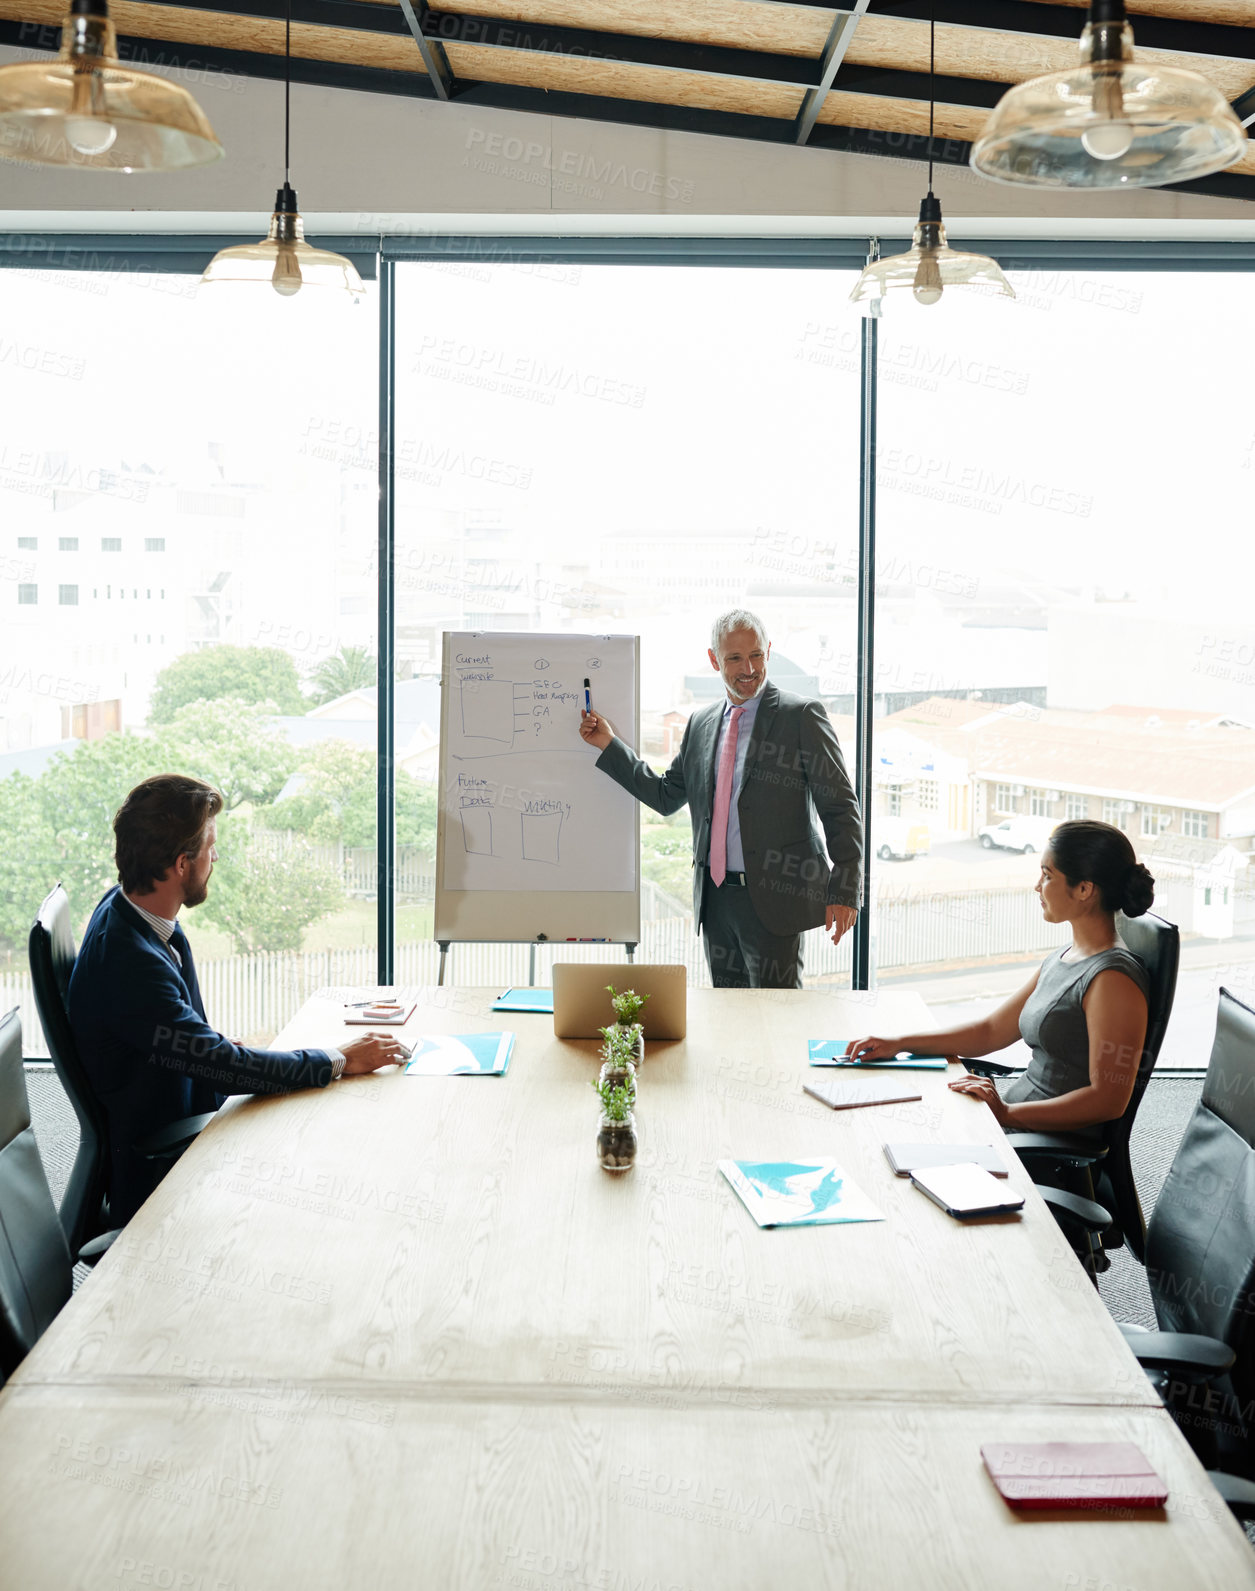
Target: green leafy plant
point(619, 1044)
point(616, 1099)
point(627, 1006)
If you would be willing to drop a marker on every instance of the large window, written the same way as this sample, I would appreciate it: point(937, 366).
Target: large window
point(191, 446)
point(189, 578)
point(1041, 623)
point(627, 449)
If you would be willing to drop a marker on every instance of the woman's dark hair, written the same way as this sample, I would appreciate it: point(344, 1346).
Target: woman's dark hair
point(1084, 849)
point(161, 820)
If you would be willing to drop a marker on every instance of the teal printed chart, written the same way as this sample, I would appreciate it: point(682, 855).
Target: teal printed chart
point(452, 1055)
point(798, 1193)
point(831, 1052)
point(538, 1000)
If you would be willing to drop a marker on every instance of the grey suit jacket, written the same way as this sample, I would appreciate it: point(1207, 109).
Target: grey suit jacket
point(794, 774)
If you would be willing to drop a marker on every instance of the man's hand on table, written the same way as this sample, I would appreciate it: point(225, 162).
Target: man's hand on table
point(595, 730)
point(371, 1051)
point(838, 920)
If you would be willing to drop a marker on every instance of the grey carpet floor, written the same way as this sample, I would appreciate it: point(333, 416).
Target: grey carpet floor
point(1161, 1121)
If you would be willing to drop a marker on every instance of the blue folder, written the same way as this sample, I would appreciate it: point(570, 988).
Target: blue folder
point(831, 1052)
point(538, 1000)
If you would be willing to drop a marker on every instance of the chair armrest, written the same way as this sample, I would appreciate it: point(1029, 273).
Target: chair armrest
point(1239, 1494)
point(1179, 1351)
point(1071, 1207)
point(170, 1141)
point(989, 1068)
point(1060, 1145)
point(95, 1250)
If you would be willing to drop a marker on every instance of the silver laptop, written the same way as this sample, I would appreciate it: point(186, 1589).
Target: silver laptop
point(581, 1002)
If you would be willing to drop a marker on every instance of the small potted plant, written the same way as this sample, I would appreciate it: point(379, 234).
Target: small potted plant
point(618, 1057)
point(616, 1135)
point(627, 1009)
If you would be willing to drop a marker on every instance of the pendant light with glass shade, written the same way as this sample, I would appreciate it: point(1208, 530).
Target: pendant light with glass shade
point(87, 109)
point(1111, 122)
point(282, 257)
point(930, 265)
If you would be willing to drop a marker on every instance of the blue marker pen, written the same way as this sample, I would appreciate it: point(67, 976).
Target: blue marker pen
point(588, 700)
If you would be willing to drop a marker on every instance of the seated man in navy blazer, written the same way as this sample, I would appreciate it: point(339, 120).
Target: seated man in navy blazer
point(135, 1005)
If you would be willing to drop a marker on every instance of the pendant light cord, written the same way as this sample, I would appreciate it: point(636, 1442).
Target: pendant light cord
point(287, 99)
point(932, 84)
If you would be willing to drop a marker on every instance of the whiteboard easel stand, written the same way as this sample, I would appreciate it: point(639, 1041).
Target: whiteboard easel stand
point(540, 939)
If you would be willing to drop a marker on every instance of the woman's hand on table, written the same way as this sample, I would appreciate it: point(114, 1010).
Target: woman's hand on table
point(872, 1049)
point(371, 1051)
point(982, 1089)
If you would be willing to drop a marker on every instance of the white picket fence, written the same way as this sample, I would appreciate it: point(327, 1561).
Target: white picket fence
point(253, 996)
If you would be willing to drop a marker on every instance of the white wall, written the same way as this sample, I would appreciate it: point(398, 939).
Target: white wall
point(366, 156)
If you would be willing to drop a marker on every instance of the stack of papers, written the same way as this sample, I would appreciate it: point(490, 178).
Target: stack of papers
point(831, 1052)
point(450, 1055)
point(798, 1192)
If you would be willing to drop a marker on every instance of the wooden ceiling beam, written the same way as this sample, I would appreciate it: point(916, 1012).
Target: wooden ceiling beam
point(1189, 35)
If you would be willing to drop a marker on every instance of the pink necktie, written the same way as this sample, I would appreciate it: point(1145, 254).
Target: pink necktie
point(723, 800)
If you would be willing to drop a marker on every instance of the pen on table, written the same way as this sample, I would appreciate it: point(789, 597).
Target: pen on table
point(588, 700)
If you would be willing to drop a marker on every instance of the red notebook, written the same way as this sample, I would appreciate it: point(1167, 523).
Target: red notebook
point(1073, 1475)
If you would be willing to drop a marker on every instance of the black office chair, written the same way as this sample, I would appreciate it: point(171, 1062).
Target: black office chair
point(1200, 1263)
point(35, 1269)
point(84, 1205)
point(84, 1211)
point(1104, 1171)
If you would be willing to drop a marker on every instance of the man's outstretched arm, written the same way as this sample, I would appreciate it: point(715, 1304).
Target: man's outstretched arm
point(664, 792)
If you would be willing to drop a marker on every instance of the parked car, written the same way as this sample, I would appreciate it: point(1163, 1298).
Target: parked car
point(899, 841)
point(1018, 834)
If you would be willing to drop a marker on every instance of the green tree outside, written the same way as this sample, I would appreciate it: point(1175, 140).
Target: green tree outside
point(263, 900)
point(234, 746)
point(246, 673)
point(667, 855)
point(349, 669)
point(336, 801)
point(29, 859)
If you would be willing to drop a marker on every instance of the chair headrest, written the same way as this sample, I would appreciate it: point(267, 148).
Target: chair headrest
point(1157, 945)
point(15, 1115)
point(53, 932)
point(1229, 1087)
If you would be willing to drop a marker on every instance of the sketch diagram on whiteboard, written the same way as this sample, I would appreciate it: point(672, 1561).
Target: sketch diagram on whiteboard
point(524, 806)
point(528, 829)
point(507, 710)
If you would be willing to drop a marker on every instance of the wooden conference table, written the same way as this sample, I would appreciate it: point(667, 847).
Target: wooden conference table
point(406, 1333)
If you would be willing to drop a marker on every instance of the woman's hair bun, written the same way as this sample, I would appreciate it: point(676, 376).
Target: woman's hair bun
point(1139, 890)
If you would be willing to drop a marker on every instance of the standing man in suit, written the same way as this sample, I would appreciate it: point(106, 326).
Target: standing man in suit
point(757, 770)
point(135, 1004)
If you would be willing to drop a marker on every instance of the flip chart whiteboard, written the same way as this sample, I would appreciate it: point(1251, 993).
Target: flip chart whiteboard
point(534, 842)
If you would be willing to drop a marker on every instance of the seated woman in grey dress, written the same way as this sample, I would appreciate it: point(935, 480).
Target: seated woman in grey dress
point(1082, 1013)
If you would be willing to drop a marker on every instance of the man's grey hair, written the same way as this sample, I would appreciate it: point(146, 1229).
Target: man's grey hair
point(735, 619)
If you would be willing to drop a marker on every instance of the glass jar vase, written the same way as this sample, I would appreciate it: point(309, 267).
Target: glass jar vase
point(616, 1143)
